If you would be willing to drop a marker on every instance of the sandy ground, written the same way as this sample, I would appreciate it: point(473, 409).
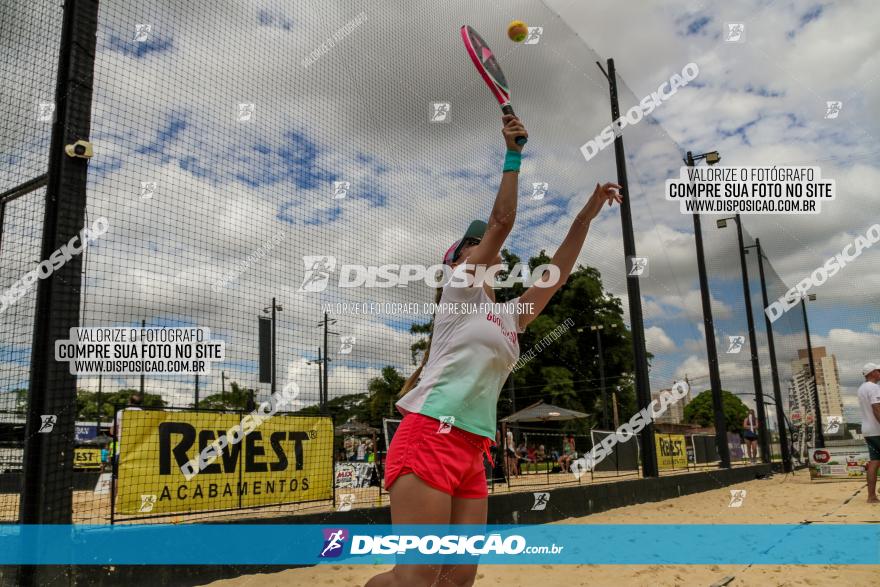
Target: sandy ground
point(782, 499)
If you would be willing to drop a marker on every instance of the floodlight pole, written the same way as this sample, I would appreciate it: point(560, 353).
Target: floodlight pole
point(753, 347)
point(640, 358)
point(711, 349)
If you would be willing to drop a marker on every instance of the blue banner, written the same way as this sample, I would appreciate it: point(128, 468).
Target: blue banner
point(566, 544)
point(84, 432)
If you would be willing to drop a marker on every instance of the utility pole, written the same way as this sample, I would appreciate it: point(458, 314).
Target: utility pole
point(325, 394)
point(709, 327)
point(143, 326)
point(321, 367)
point(320, 364)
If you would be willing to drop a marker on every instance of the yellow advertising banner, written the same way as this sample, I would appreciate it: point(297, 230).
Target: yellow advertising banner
point(86, 458)
point(281, 460)
point(671, 451)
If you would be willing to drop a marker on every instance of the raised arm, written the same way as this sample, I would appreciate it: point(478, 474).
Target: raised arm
point(503, 214)
point(541, 291)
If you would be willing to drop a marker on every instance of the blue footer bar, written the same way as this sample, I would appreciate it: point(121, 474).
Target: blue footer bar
point(285, 544)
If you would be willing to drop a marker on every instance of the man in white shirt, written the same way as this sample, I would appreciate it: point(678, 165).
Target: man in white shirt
point(869, 403)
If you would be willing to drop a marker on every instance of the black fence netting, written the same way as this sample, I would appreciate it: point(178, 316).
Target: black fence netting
point(270, 161)
point(795, 381)
point(29, 36)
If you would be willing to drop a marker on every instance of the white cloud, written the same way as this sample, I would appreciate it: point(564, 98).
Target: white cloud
point(657, 341)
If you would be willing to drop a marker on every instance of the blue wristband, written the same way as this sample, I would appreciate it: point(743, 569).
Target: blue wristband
point(512, 160)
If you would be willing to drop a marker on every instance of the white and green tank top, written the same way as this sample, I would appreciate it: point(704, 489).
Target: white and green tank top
point(473, 350)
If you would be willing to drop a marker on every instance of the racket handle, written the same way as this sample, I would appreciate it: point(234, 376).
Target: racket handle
point(508, 109)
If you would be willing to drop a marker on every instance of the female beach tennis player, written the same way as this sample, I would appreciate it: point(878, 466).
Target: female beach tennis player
point(434, 471)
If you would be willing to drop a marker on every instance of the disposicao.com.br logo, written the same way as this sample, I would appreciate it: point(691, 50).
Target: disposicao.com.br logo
point(430, 544)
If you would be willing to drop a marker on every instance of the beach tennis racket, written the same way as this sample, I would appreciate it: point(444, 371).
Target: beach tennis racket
point(485, 62)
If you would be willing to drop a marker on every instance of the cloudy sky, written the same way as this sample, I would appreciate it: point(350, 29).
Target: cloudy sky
point(343, 91)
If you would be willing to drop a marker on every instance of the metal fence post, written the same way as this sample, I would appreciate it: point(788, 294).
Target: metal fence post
point(47, 495)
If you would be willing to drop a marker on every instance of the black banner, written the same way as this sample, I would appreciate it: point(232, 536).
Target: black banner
point(265, 350)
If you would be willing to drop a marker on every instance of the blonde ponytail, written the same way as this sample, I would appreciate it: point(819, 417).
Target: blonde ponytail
point(411, 381)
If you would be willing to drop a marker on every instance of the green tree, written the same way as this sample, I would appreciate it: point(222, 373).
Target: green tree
point(559, 386)
point(580, 303)
point(236, 398)
point(701, 411)
point(383, 393)
point(87, 403)
point(343, 408)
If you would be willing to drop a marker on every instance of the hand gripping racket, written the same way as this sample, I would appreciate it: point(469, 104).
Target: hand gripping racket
point(485, 62)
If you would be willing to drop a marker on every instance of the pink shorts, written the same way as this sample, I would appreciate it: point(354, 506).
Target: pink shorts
point(451, 462)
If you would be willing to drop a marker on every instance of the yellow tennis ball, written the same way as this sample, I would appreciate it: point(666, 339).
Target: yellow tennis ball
point(517, 31)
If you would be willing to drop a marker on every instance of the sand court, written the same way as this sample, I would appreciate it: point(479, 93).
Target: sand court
point(781, 499)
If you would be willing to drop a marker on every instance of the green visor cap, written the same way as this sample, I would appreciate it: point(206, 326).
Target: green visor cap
point(476, 230)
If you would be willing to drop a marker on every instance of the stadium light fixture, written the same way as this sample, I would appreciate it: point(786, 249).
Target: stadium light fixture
point(711, 158)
